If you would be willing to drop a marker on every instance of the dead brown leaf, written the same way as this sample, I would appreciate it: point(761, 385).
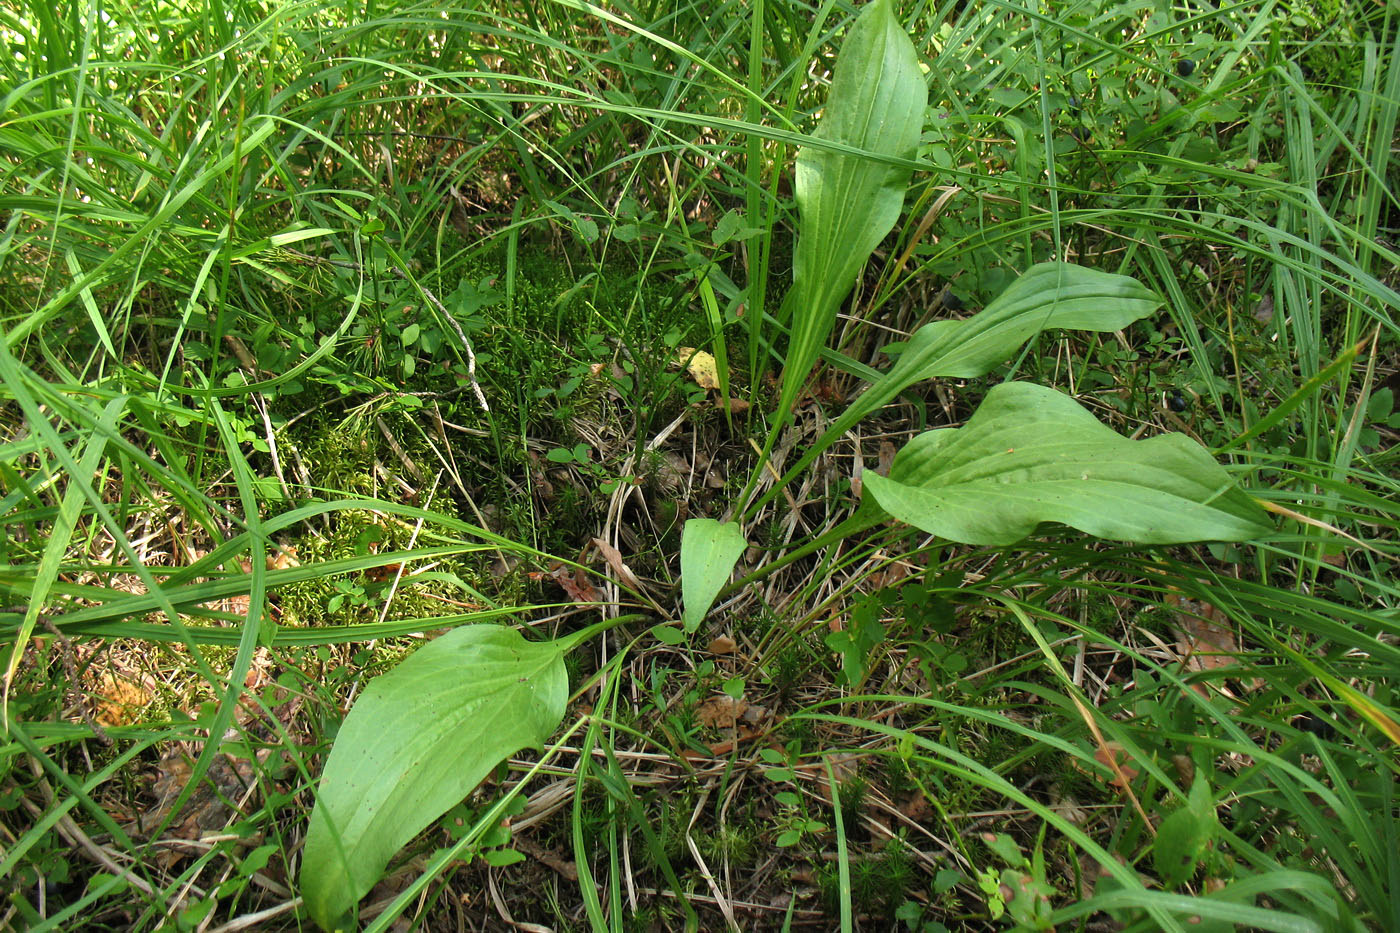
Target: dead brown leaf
point(573, 581)
point(672, 473)
point(887, 452)
point(721, 712)
point(1185, 769)
point(1203, 636)
point(552, 858)
point(717, 749)
point(721, 644)
point(1112, 752)
point(756, 714)
point(614, 558)
point(283, 558)
point(118, 701)
point(916, 807)
point(1068, 806)
point(1204, 639)
point(892, 573)
point(844, 767)
point(229, 779)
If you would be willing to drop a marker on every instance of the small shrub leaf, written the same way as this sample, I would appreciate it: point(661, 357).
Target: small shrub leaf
point(1181, 841)
point(1030, 454)
point(419, 739)
point(1185, 836)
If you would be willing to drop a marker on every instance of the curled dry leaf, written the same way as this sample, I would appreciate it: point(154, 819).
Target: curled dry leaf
point(614, 558)
point(119, 701)
point(572, 581)
point(721, 712)
point(721, 644)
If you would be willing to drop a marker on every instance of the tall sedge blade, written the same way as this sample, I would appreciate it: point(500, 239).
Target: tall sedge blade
point(1030, 454)
point(709, 551)
point(419, 739)
point(848, 201)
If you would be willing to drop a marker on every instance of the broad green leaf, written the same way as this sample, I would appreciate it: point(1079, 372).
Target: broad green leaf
point(847, 202)
point(709, 551)
point(1030, 454)
point(1185, 835)
point(417, 742)
point(1050, 295)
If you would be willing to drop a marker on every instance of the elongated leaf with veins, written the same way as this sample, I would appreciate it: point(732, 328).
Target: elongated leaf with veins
point(1030, 454)
point(1050, 295)
point(417, 742)
point(849, 197)
point(847, 201)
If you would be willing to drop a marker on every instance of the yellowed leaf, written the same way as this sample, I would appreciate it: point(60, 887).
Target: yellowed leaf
point(701, 365)
point(119, 701)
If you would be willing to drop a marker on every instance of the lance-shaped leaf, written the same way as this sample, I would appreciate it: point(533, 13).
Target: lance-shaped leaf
point(1030, 454)
point(416, 743)
point(709, 551)
point(848, 201)
point(1050, 295)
